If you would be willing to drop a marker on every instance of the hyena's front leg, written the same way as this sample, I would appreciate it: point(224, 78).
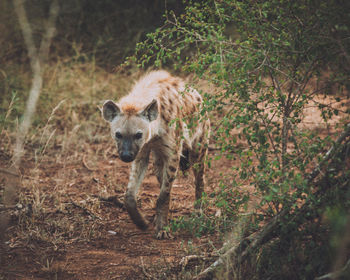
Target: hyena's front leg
point(138, 171)
point(169, 172)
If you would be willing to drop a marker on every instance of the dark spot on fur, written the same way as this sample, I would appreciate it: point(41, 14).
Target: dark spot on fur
point(166, 145)
point(174, 159)
point(184, 160)
point(198, 99)
point(162, 99)
point(171, 179)
point(165, 118)
point(172, 168)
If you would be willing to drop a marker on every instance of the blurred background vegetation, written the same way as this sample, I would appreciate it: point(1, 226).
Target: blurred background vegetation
point(91, 36)
point(105, 30)
point(238, 46)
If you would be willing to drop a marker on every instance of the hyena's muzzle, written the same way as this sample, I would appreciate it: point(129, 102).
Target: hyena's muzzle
point(127, 152)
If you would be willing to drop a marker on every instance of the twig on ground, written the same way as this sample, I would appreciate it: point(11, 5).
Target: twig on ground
point(86, 165)
point(112, 200)
point(186, 259)
point(7, 171)
point(6, 208)
point(87, 211)
point(144, 270)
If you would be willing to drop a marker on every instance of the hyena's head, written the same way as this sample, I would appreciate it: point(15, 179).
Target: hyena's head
point(129, 129)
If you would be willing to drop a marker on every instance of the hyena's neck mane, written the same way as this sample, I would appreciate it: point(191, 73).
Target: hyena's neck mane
point(148, 88)
point(129, 109)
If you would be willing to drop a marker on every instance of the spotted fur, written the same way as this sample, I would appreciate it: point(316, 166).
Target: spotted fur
point(160, 116)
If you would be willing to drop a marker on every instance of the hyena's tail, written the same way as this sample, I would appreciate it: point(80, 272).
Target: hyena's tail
point(185, 160)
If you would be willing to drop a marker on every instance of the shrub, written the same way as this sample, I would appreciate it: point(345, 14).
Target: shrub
point(270, 60)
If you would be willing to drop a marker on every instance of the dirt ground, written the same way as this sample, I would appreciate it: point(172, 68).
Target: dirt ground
point(104, 243)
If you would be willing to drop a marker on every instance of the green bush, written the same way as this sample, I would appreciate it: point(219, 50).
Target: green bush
point(270, 60)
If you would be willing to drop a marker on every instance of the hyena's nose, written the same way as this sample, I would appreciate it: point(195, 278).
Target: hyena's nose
point(126, 157)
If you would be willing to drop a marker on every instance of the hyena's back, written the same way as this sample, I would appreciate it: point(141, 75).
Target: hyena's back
point(174, 100)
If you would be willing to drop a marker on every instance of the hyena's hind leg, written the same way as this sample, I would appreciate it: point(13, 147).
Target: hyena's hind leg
point(198, 167)
point(166, 171)
point(198, 156)
point(158, 164)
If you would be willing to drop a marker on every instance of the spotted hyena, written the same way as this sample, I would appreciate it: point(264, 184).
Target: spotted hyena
point(159, 116)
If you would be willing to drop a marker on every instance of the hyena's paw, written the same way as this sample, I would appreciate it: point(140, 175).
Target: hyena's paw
point(162, 229)
point(164, 234)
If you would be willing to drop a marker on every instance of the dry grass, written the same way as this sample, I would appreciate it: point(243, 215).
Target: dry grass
point(67, 122)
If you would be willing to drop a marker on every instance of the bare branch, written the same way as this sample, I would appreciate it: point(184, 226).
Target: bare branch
point(36, 58)
point(27, 34)
point(329, 154)
point(50, 32)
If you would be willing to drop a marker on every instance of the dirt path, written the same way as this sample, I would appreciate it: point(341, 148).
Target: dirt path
point(71, 234)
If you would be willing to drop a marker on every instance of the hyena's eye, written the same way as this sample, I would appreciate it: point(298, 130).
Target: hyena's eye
point(138, 135)
point(118, 135)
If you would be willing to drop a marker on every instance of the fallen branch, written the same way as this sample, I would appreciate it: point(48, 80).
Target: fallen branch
point(242, 249)
point(9, 172)
point(7, 208)
point(345, 271)
point(85, 210)
point(184, 262)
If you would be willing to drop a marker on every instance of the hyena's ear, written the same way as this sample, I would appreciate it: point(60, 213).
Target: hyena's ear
point(150, 113)
point(110, 110)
